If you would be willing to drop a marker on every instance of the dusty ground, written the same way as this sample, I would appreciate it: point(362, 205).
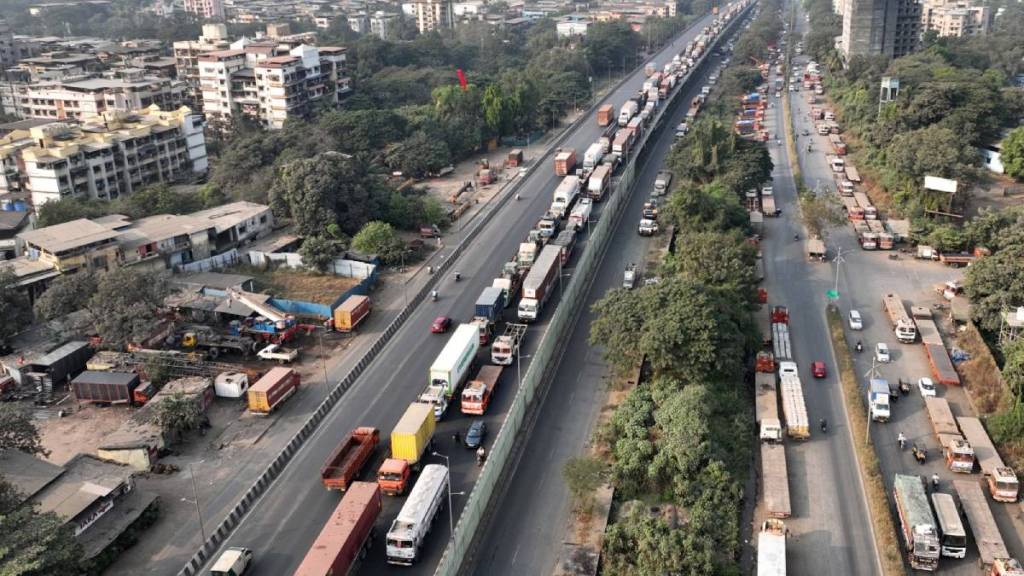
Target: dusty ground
point(300, 285)
point(80, 431)
point(1000, 193)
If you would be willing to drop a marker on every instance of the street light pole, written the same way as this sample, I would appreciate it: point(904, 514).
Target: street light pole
point(451, 515)
point(195, 497)
point(323, 359)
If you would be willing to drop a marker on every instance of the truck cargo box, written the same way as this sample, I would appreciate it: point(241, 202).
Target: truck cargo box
point(105, 387)
point(775, 481)
point(351, 312)
point(346, 533)
point(348, 459)
point(413, 432)
point(272, 389)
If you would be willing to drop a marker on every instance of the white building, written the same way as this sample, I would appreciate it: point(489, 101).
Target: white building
point(956, 18)
point(434, 15)
point(104, 157)
point(382, 25)
point(359, 23)
point(76, 99)
point(208, 9)
point(573, 25)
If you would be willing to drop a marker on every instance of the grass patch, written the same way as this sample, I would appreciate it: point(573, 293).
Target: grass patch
point(294, 284)
point(982, 377)
point(874, 486)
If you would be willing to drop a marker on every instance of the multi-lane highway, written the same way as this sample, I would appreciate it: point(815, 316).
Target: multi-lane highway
point(287, 518)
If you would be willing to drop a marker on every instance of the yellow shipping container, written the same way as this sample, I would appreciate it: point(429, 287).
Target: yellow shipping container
point(413, 432)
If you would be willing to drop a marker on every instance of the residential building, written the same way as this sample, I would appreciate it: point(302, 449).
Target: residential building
point(956, 18)
point(268, 85)
point(186, 58)
point(14, 219)
point(72, 246)
point(104, 157)
point(236, 223)
point(573, 25)
point(278, 29)
point(324, 21)
point(8, 55)
point(382, 25)
point(890, 28)
point(163, 241)
point(468, 8)
point(125, 91)
point(98, 499)
point(359, 22)
point(434, 15)
point(207, 9)
point(992, 154)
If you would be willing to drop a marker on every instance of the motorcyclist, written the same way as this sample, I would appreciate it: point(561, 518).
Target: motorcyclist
point(860, 346)
point(481, 454)
point(458, 276)
point(935, 481)
point(433, 294)
point(824, 425)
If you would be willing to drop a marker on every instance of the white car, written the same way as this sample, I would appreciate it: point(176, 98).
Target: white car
point(856, 323)
point(882, 352)
point(926, 387)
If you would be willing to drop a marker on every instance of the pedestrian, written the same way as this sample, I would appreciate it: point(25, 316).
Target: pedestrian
point(935, 481)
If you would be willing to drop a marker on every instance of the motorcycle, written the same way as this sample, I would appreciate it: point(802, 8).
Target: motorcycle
point(458, 276)
point(433, 295)
point(859, 347)
point(824, 425)
point(919, 454)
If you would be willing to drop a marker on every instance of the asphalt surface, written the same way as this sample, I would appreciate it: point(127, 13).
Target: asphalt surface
point(529, 524)
point(864, 277)
point(286, 520)
point(830, 528)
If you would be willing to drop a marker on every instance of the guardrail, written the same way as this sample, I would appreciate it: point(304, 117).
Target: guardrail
point(263, 482)
point(549, 351)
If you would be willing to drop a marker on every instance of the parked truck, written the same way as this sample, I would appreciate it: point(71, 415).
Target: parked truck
point(1002, 480)
point(926, 325)
point(411, 437)
point(902, 325)
point(566, 242)
point(270, 391)
point(347, 534)
point(628, 110)
point(793, 407)
point(775, 480)
point(352, 311)
point(982, 523)
point(580, 215)
point(767, 402)
point(605, 115)
point(476, 396)
point(942, 367)
point(599, 182)
point(487, 312)
point(506, 346)
point(564, 195)
point(537, 287)
point(409, 530)
point(103, 387)
point(768, 206)
point(780, 341)
point(451, 368)
point(348, 459)
point(917, 523)
point(771, 548)
point(565, 161)
point(878, 400)
point(958, 452)
point(816, 249)
point(662, 181)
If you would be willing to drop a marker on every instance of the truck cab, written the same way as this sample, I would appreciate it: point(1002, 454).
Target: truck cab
point(393, 476)
point(647, 227)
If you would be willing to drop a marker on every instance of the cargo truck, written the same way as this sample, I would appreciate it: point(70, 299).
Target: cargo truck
point(605, 115)
point(952, 535)
point(775, 480)
point(780, 341)
point(487, 311)
point(917, 523)
point(565, 194)
point(348, 459)
point(1006, 567)
point(565, 161)
point(454, 363)
point(768, 206)
point(592, 157)
point(506, 346)
point(958, 452)
point(902, 325)
point(526, 254)
point(599, 182)
point(771, 548)
point(509, 282)
point(622, 143)
point(942, 367)
point(878, 400)
point(103, 387)
point(411, 437)
point(767, 402)
point(539, 283)
point(926, 327)
point(565, 241)
point(628, 110)
point(1002, 480)
point(347, 534)
point(793, 408)
point(276, 386)
point(816, 249)
point(476, 396)
point(351, 312)
point(580, 215)
point(662, 181)
point(410, 528)
point(982, 523)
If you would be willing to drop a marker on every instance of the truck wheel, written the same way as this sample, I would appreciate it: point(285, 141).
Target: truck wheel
point(214, 352)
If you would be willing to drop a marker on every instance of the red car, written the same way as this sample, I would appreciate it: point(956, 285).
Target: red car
point(440, 325)
point(818, 369)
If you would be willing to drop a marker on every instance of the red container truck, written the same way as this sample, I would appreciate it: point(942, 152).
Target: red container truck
point(942, 367)
point(349, 457)
point(269, 392)
point(605, 115)
point(565, 161)
point(347, 533)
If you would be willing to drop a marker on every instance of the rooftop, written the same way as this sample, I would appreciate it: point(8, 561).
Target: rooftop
point(85, 479)
point(27, 473)
point(230, 215)
point(68, 236)
point(158, 228)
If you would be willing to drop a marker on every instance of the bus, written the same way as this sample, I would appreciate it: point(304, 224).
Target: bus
point(952, 535)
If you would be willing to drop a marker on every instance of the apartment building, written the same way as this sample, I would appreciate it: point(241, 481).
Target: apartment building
point(956, 18)
point(7, 50)
point(206, 9)
point(72, 246)
point(889, 28)
point(359, 22)
point(269, 85)
point(434, 15)
point(122, 91)
point(383, 24)
point(59, 64)
point(103, 157)
point(186, 58)
point(573, 25)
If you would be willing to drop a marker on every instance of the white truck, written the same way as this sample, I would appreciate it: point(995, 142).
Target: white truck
point(505, 347)
point(629, 277)
point(580, 215)
point(793, 407)
point(780, 341)
point(592, 157)
point(434, 394)
point(771, 548)
point(647, 227)
point(599, 182)
point(279, 353)
point(539, 283)
point(566, 192)
point(661, 182)
point(628, 110)
point(767, 402)
point(455, 361)
point(410, 528)
point(878, 400)
point(902, 325)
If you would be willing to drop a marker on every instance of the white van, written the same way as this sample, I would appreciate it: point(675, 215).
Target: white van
point(232, 562)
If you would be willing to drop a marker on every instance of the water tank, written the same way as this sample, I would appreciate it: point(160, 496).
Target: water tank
point(20, 206)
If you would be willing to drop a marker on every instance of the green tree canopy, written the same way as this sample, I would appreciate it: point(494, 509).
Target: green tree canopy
point(379, 238)
point(14, 307)
point(1013, 153)
point(18, 431)
point(34, 544)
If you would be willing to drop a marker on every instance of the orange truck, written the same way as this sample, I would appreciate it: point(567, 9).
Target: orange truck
point(565, 161)
point(351, 312)
point(605, 115)
point(348, 459)
point(269, 392)
point(476, 396)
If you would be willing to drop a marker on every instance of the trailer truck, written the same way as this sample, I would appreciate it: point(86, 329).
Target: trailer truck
point(628, 110)
point(409, 530)
point(774, 480)
point(922, 316)
point(902, 325)
point(1001, 479)
point(348, 459)
point(347, 534)
point(982, 523)
point(593, 155)
point(539, 283)
point(411, 437)
point(605, 115)
point(942, 367)
point(599, 182)
point(767, 402)
point(565, 161)
point(487, 311)
point(958, 453)
point(506, 346)
point(352, 311)
point(580, 215)
point(917, 523)
point(793, 407)
point(771, 548)
point(476, 396)
point(270, 391)
point(453, 364)
point(564, 195)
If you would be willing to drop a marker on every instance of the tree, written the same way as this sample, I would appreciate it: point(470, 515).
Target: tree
point(641, 544)
point(34, 544)
point(820, 213)
point(610, 45)
point(1013, 153)
point(18, 432)
point(379, 238)
point(995, 284)
point(178, 413)
point(158, 199)
point(68, 293)
point(418, 155)
point(124, 304)
point(583, 475)
point(718, 259)
point(67, 209)
point(318, 252)
point(14, 307)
